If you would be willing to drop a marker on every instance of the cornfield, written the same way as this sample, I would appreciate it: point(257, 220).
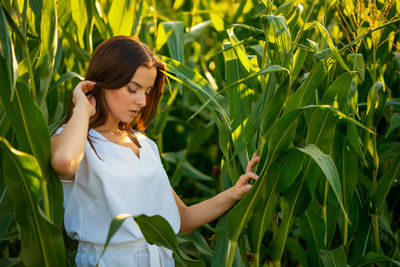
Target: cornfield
point(312, 86)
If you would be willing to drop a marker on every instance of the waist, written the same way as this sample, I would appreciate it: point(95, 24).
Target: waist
point(119, 248)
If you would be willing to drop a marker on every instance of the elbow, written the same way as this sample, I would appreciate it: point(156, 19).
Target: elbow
point(186, 230)
point(187, 226)
point(64, 165)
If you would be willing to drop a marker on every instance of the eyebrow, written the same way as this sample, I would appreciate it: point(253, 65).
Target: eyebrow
point(139, 85)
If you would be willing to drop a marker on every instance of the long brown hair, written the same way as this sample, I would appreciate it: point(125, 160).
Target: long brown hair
point(112, 66)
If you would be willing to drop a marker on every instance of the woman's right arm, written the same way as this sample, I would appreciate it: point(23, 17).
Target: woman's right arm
point(68, 146)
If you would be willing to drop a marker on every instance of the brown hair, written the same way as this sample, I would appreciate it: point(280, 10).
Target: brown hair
point(112, 66)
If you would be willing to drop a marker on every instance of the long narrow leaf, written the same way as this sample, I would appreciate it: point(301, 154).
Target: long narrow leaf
point(7, 56)
point(48, 48)
point(41, 240)
point(156, 230)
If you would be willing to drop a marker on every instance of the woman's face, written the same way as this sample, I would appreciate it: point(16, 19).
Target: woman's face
point(125, 103)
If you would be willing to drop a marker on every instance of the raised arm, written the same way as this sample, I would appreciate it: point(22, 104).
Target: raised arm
point(69, 145)
point(204, 212)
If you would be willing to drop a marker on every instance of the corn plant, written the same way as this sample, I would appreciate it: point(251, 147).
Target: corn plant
point(312, 86)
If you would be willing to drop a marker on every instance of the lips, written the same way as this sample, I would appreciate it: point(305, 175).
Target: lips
point(134, 112)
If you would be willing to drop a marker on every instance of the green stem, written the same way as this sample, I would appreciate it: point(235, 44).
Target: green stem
point(376, 232)
point(31, 77)
point(345, 232)
point(302, 26)
point(6, 253)
point(276, 263)
point(231, 253)
point(46, 202)
point(324, 212)
point(257, 259)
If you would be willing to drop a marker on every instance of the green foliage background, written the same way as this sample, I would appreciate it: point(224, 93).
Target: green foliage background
point(313, 86)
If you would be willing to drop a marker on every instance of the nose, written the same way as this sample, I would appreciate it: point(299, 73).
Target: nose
point(141, 100)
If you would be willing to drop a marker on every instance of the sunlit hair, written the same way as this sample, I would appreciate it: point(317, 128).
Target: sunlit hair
point(112, 66)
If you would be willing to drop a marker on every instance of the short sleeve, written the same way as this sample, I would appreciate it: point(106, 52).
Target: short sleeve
point(154, 148)
point(58, 130)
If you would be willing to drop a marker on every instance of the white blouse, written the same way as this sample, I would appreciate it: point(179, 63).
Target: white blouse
point(117, 182)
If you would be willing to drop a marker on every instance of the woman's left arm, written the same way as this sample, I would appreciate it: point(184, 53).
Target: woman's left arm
point(204, 212)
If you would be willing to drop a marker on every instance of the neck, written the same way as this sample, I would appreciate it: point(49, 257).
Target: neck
point(110, 127)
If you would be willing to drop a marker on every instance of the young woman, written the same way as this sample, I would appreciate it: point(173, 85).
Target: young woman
point(108, 167)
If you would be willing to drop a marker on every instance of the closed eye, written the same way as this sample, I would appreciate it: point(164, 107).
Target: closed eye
point(131, 90)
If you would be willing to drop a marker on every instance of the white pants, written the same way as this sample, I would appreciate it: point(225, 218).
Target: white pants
point(138, 253)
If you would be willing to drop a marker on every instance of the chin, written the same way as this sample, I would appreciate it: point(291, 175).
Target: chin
point(129, 119)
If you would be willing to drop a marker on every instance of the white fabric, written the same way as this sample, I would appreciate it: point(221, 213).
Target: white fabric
point(118, 182)
point(137, 253)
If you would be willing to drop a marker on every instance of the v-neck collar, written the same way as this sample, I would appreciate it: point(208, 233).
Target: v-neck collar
point(138, 156)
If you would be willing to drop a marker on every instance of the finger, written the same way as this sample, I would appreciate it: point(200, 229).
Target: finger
point(92, 101)
point(251, 163)
point(87, 86)
point(244, 179)
point(247, 187)
point(251, 175)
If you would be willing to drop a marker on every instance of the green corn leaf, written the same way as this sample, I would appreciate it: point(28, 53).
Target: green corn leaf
point(332, 47)
point(397, 55)
point(348, 166)
point(357, 61)
point(198, 241)
point(250, 31)
point(294, 248)
point(63, 78)
point(175, 39)
point(308, 87)
point(48, 48)
point(245, 132)
point(311, 227)
point(187, 169)
point(240, 52)
point(336, 257)
point(121, 16)
point(28, 122)
point(276, 31)
point(283, 133)
point(6, 209)
point(42, 241)
point(197, 83)
point(282, 174)
point(274, 106)
point(223, 247)
point(375, 103)
point(138, 21)
point(394, 123)
point(355, 140)
point(321, 128)
point(239, 98)
point(241, 214)
point(385, 183)
point(270, 69)
point(372, 257)
point(196, 31)
point(156, 230)
point(80, 17)
point(100, 21)
point(217, 22)
point(394, 103)
point(10, 262)
point(204, 92)
point(8, 61)
point(328, 167)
